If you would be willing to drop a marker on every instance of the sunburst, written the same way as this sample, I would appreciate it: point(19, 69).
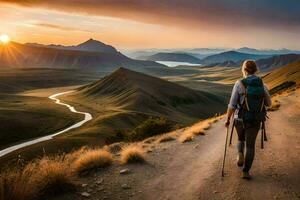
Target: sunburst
point(4, 39)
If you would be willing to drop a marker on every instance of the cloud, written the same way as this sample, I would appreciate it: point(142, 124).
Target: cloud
point(59, 27)
point(191, 13)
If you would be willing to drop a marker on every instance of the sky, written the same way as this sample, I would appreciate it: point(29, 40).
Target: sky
point(128, 24)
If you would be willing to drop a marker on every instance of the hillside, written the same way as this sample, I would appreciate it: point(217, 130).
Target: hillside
point(25, 56)
point(176, 57)
point(230, 56)
point(139, 92)
point(283, 75)
point(225, 64)
point(89, 45)
point(268, 64)
point(125, 98)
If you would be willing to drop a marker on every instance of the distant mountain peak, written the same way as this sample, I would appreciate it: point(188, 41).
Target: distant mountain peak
point(95, 45)
point(92, 41)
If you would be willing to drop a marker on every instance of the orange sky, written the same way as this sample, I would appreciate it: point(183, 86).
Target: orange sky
point(135, 28)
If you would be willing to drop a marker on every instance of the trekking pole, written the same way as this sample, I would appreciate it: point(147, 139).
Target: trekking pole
point(265, 135)
point(262, 136)
point(225, 152)
point(230, 140)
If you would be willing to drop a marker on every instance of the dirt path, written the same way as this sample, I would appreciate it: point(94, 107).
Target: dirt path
point(192, 170)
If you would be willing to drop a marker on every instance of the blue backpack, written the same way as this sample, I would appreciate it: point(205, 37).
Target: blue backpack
point(253, 109)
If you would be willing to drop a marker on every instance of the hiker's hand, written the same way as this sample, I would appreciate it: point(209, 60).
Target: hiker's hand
point(227, 123)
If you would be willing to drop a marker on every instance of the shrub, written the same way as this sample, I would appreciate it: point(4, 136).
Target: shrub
point(150, 127)
point(132, 154)
point(92, 159)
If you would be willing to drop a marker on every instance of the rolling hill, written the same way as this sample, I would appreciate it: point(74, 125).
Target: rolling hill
point(126, 98)
point(230, 56)
point(175, 57)
point(268, 64)
point(26, 56)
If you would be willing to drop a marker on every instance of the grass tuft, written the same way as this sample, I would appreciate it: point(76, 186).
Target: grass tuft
point(187, 137)
point(275, 105)
point(92, 159)
point(200, 132)
point(44, 177)
point(132, 154)
point(165, 138)
point(15, 185)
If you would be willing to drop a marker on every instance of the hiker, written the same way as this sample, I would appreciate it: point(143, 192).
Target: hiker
point(247, 103)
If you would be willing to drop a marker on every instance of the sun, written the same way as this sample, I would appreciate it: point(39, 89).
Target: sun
point(4, 39)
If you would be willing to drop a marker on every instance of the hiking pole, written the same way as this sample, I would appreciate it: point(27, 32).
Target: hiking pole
point(262, 136)
point(265, 135)
point(225, 152)
point(230, 140)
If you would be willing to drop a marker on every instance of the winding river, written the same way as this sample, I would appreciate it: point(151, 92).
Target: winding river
point(87, 117)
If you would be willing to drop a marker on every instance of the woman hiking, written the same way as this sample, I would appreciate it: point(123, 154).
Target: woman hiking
point(247, 103)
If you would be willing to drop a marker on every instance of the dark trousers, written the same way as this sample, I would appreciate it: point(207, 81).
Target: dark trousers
point(248, 134)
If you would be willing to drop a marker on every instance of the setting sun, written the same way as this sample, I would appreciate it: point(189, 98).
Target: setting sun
point(4, 38)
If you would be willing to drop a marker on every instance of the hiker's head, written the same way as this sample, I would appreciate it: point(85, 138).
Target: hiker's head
point(249, 67)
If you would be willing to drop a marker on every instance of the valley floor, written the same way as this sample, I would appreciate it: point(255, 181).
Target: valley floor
point(193, 170)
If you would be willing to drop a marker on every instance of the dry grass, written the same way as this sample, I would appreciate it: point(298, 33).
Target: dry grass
point(275, 105)
point(199, 132)
point(115, 147)
point(150, 140)
point(187, 137)
point(165, 138)
point(197, 129)
point(52, 176)
point(15, 185)
point(92, 159)
point(132, 154)
point(47, 176)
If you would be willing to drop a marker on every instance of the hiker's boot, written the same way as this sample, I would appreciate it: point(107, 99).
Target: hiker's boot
point(240, 160)
point(246, 175)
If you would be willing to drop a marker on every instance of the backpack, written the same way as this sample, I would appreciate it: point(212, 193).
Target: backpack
point(252, 109)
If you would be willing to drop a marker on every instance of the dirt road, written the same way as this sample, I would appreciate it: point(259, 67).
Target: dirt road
point(193, 170)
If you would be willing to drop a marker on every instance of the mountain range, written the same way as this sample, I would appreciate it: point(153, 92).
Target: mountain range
point(267, 51)
point(204, 52)
point(231, 56)
point(212, 60)
point(268, 64)
point(92, 55)
point(90, 45)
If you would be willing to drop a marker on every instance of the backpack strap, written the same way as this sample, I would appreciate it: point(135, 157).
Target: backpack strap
point(263, 98)
point(262, 104)
point(245, 102)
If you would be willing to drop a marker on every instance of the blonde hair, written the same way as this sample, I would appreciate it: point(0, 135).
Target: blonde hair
point(249, 67)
